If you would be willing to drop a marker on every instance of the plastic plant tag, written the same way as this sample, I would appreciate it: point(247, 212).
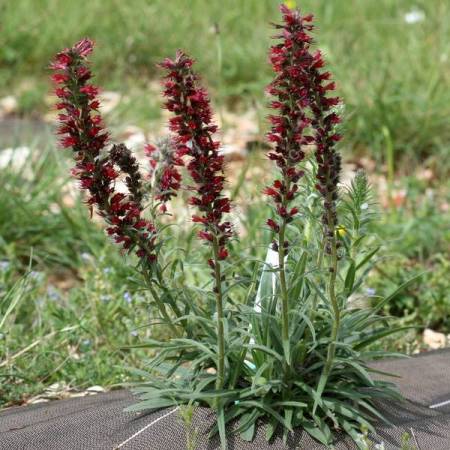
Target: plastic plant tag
point(268, 281)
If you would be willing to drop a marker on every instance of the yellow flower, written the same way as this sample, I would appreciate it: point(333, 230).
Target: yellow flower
point(291, 4)
point(341, 230)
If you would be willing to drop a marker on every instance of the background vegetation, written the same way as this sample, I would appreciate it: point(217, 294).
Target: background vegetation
point(68, 303)
point(390, 57)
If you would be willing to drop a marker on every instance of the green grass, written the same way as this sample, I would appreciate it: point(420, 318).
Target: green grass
point(392, 75)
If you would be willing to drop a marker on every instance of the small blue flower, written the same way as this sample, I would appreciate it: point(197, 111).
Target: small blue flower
point(107, 270)
point(370, 292)
point(38, 276)
point(127, 297)
point(52, 293)
point(134, 333)
point(4, 265)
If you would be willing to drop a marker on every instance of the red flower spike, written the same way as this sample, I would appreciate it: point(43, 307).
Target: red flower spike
point(192, 123)
point(316, 84)
point(81, 128)
point(291, 122)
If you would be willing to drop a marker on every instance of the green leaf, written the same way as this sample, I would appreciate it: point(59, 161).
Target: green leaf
point(288, 413)
point(290, 403)
point(397, 291)
point(312, 429)
point(247, 425)
point(350, 278)
point(221, 426)
point(379, 334)
point(12, 298)
point(271, 428)
point(354, 434)
point(152, 404)
point(367, 258)
point(266, 350)
point(318, 394)
point(298, 277)
point(249, 433)
point(268, 410)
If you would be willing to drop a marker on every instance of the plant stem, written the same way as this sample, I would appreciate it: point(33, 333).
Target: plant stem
point(319, 267)
point(283, 288)
point(219, 311)
point(282, 272)
point(332, 294)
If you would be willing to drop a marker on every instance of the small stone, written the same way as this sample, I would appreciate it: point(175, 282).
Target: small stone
point(8, 105)
point(78, 394)
point(414, 16)
point(38, 400)
point(233, 153)
point(95, 389)
point(14, 158)
point(133, 137)
point(109, 101)
point(433, 339)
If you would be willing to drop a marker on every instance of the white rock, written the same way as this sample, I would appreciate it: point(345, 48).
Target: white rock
point(108, 101)
point(38, 400)
point(133, 137)
point(434, 339)
point(15, 158)
point(414, 16)
point(96, 389)
point(233, 153)
point(8, 105)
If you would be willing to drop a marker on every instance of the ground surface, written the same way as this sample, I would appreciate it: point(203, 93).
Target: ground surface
point(423, 422)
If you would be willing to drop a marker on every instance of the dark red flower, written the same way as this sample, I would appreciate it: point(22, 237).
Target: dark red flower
point(316, 86)
point(81, 127)
point(272, 224)
point(194, 137)
point(301, 88)
point(223, 253)
point(291, 122)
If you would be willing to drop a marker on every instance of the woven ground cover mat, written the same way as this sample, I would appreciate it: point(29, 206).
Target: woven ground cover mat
point(99, 422)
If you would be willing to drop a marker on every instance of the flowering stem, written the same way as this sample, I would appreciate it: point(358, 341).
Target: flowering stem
point(219, 311)
point(282, 271)
point(319, 268)
point(332, 294)
point(330, 232)
point(192, 123)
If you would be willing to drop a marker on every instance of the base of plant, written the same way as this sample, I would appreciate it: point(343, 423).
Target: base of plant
point(261, 390)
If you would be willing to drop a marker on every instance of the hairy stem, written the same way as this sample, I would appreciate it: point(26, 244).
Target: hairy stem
point(283, 288)
point(282, 274)
point(219, 311)
point(332, 295)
